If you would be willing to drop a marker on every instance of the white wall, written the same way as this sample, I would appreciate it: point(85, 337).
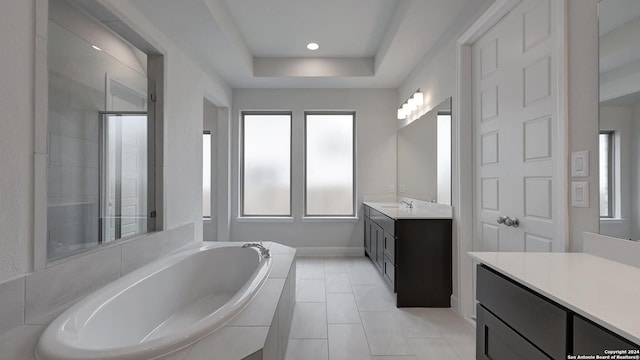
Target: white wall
point(620, 120)
point(376, 160)
point(582, 75)
point(185, 86)
point(635, 173)
point(17, 23)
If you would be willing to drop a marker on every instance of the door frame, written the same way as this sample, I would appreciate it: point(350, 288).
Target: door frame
point(464, 135)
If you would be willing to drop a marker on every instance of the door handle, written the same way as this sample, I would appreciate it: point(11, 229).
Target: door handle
point(508, 221)
point(512, 222)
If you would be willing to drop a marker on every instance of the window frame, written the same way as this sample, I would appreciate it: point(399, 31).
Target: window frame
point(354, 213)
point(611, 168)
point(241, 213)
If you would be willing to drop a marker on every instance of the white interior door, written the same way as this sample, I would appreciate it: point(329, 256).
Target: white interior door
point(514, 116)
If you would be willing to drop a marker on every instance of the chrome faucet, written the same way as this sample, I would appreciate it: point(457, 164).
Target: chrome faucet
point(409, 203)
point(263, 250)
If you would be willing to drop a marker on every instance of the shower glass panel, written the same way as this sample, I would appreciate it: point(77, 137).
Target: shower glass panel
point(123, 175)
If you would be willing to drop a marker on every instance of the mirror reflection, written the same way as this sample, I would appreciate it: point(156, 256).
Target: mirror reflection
point(619, 138)
point(97, 153)
point(424, 156)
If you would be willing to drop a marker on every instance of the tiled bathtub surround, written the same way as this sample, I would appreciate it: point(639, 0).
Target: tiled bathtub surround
point(30, 302)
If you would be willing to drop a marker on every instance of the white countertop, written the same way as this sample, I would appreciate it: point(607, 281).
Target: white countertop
point(396, 210)
point(604, 291)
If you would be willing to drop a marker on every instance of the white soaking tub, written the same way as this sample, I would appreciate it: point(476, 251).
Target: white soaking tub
point(160, 308)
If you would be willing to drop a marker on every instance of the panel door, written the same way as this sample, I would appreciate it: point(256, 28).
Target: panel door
point(514, 119)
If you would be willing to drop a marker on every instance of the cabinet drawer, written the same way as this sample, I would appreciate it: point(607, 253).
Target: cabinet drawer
point(535, 318)
point(389, 271)
point(389, 246)
point(592, 339)
point(385, 222)
point(497, 341)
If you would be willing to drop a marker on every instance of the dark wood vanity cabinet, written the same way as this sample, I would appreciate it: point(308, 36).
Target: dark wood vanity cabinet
point(514, 322)
point(413, 257)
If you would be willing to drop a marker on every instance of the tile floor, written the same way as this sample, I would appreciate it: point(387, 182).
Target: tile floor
point(345, 311)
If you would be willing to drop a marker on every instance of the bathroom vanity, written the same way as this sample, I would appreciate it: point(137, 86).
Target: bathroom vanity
point(411, 247)
point(555, 305)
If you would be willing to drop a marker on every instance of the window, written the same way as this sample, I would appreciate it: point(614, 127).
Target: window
point(206, 174)
point(266, 164)
point(329, 164)
point(606, 174)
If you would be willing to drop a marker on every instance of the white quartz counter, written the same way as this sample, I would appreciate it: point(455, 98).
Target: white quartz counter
point(604, 291)
point(396, 210)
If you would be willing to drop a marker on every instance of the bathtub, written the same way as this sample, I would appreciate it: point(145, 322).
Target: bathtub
point(160, 308)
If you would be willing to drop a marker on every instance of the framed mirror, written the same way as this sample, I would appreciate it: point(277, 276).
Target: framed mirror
point(619, 137)
point(424, 156)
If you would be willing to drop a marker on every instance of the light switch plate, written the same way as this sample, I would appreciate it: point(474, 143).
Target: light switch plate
point(580, 194)
point(580, 163)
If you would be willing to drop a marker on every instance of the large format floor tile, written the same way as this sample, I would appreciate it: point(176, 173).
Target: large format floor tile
point(384, 336)
point(342, 309)
point(309, 321)
point(348, 342)
point(307, 349)
point(311, 290)
point(345, 310)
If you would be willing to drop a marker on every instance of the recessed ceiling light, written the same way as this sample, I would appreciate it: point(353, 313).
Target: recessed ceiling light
point(95, 47)
point(312, 46)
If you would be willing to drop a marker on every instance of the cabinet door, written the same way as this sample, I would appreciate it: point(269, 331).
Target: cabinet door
point(367, 236)
point(497, 341)
point(591, 339)
point(389, 246)
point(379, 246)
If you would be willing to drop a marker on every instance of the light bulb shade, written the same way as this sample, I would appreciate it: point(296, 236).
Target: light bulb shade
point(401, 114)
point(418, 98)
point(412, 104)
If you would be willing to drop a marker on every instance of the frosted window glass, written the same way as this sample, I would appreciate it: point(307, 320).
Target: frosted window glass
point(267, 165)
point(605, 168)
point(329, 165)
point(444, 159)
point(206, 175)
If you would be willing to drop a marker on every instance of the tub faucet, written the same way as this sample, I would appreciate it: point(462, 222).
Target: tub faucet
point(263, 250)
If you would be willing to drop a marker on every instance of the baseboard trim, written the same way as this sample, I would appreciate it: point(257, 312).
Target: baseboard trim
point(329, 251)
point(455, 305)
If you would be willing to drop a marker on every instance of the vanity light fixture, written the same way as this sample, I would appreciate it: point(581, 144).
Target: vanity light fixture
point(95, 47)
point(409, 106)
point(313, 46)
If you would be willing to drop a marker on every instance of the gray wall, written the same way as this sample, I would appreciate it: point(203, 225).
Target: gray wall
point(376, 161)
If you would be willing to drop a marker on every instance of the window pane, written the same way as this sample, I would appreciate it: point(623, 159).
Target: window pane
point(604, 175)
point(329, 165)
point(206, 175)
point(267, 165)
